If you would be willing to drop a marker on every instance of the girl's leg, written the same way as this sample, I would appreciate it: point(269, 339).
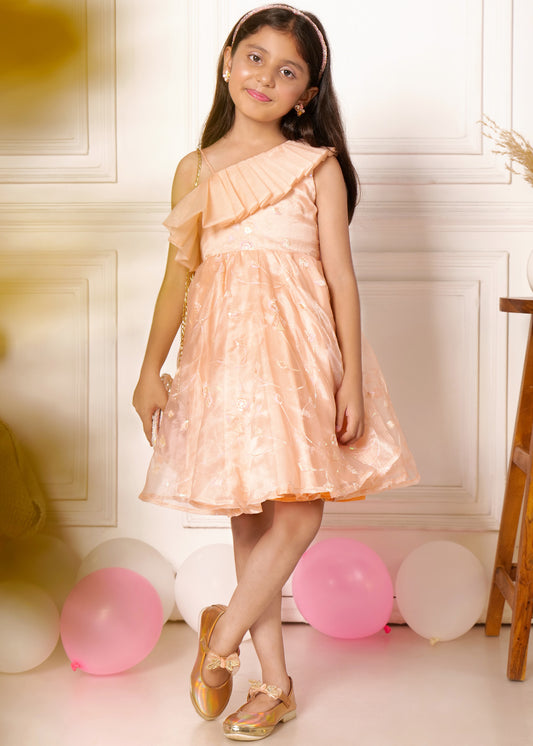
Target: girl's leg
point(266, 631)
point(268, 642)
point(267, 563)
point(246, 529)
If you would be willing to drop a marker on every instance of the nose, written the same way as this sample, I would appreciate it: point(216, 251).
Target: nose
point(265, 75)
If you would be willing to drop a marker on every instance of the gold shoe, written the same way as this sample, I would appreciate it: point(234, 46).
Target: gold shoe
point(210, 701)
point(252, 726)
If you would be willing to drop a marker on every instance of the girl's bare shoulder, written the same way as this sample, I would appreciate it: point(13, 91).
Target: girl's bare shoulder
point(328, 174)
point(329, 185)
point(185, 176)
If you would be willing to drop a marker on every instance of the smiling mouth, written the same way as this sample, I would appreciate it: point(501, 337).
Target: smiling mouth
point(257, 95)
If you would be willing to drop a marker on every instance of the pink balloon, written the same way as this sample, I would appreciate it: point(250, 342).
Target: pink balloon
point(110, 621)
point(343, 589)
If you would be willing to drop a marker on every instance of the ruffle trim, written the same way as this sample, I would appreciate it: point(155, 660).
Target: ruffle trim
point(234, 193)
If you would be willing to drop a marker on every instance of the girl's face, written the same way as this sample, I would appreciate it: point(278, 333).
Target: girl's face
point(268, 75)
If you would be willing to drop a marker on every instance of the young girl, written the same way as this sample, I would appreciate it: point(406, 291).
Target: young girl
point(275, 408)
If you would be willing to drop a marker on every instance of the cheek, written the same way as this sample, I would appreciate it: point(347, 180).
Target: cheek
point(240, 66)
point(292, 94)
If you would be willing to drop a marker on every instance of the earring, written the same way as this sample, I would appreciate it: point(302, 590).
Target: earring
point(226, 75)
point(299, 109)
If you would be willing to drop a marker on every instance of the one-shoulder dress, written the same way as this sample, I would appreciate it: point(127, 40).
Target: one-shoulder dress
point(251, 411)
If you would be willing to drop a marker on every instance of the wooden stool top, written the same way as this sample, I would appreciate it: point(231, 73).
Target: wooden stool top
point(516, 305)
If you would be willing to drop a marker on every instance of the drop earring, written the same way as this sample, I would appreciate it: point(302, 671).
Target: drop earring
point(226, 75)
point(299, 109)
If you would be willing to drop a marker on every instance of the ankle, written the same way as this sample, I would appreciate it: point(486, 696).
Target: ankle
point(278, 679)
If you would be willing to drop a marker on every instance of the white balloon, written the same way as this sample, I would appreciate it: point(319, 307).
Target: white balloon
point(29, 626)
point(136, 555)
point(206, 577)
point(44, 561)
point(441, 589)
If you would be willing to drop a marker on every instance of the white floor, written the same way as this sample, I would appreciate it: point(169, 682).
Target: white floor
point(381, 691)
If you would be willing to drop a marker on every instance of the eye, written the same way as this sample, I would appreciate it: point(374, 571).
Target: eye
point(286, 73)
point(254, 57)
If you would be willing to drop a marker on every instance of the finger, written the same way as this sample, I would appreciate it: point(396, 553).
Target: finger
point(349, 427)
point(147, 427)
point(340, 418)
point(354, 433)
point(346, 437)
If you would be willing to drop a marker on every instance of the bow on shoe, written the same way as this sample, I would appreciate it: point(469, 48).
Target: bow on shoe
point(231, 663)
point(258, 687)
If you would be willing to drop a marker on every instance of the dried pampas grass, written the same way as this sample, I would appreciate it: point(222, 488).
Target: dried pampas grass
point(512, 144)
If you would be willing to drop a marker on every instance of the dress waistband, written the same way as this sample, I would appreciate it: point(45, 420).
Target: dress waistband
point(248, 248)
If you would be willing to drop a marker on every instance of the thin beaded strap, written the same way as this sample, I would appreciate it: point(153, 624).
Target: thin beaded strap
point(190, 275)
point(199, 167)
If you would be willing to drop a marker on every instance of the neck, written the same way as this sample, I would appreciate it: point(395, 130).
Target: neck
point(255, 134)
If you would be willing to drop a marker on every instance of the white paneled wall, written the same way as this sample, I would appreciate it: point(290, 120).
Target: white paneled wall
point(58, 121)
point(89, 140)
point(58, 313)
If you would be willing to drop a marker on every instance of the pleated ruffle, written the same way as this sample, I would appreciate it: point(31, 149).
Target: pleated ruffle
point(236, 192)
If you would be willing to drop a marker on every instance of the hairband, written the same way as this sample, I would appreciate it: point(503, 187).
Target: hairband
point(296, 13)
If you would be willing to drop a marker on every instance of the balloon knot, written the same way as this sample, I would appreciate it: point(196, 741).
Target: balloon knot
point(434, 640)
point(387, 629)
point(75, 665)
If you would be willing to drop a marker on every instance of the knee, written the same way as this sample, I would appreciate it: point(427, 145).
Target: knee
point(247, 529)
point(300, 521)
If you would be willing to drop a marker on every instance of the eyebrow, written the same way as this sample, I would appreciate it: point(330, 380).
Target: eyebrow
point(265, 51)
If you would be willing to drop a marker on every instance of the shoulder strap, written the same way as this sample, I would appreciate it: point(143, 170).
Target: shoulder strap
point(199, 167)
point(189, 274)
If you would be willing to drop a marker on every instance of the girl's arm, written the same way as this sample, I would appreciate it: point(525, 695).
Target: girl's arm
point(150, 393)
point(338, 269)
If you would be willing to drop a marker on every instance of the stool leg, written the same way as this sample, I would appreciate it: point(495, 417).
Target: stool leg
point(523, 597)
point(514, 494)
point(512, 507)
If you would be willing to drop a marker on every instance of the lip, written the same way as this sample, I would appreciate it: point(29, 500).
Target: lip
point(257, 95)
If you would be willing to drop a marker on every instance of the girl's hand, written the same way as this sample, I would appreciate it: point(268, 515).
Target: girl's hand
point(350, 423)
point(150, 394)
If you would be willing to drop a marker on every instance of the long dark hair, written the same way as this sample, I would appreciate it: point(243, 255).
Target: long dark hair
point(321, 124)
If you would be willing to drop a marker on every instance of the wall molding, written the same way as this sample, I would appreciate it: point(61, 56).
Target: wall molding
point(467, 141)
point(445, 216)
point(66, 378)
point(76, 141)
point(465, 157)
point(89, 155)
point(383, 215)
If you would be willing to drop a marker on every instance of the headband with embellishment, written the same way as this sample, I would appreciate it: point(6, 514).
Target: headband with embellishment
point(296, 13)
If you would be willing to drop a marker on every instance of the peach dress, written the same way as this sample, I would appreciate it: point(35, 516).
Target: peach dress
point(251, 412)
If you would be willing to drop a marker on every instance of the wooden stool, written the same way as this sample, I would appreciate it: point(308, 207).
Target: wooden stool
point(513, 582)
